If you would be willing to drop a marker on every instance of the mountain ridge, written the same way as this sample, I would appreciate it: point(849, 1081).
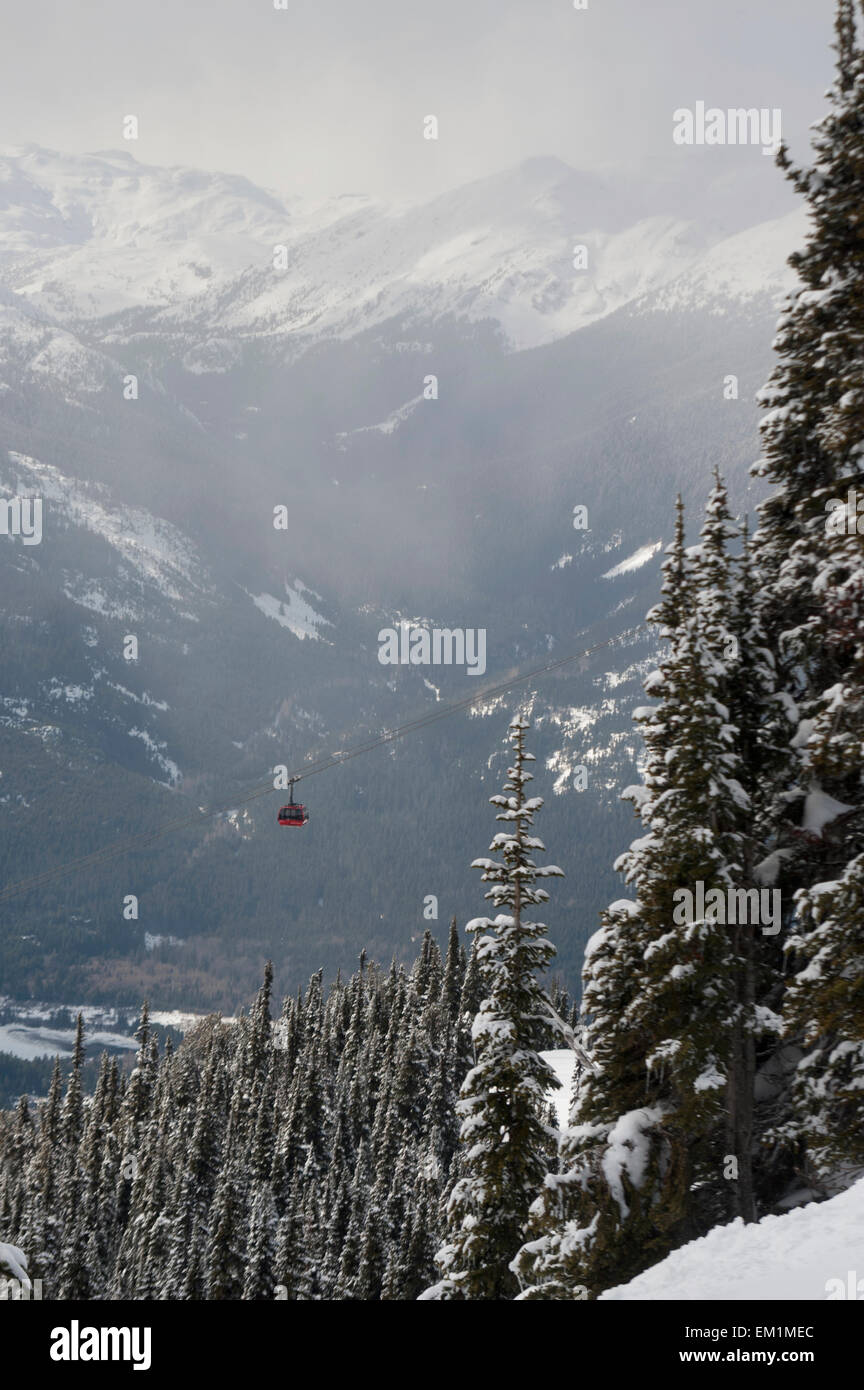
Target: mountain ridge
point(116, 248)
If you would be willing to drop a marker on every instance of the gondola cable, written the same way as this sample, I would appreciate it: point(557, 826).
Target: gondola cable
point(136, 842)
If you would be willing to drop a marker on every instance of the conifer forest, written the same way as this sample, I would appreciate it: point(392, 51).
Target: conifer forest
point(514, 952)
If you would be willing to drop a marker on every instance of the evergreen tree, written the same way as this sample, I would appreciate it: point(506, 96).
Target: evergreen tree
point(825, 1008)
point(259, 1281)
point(502, 1100)
point(642, 1163)
point(810, 556)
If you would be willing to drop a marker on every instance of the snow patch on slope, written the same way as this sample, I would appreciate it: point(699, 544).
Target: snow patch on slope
point(388, 426)
point(635, 561)
point(157, 552)
point(292, 612)
point(155, 749)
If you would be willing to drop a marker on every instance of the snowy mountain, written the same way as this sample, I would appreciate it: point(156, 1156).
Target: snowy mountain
point(124, 248)
point(747, 267)
point(304, 388)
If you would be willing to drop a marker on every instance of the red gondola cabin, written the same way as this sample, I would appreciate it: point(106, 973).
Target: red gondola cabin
point(293, 814)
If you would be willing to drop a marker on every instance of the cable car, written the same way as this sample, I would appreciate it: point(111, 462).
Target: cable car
point(293, 813)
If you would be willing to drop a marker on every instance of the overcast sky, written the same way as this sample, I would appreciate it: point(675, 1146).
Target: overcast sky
point(329, 96)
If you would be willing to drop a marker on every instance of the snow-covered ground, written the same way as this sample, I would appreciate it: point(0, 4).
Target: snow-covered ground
point(31, 1029)
point(814, 1252)
point(28, 1042)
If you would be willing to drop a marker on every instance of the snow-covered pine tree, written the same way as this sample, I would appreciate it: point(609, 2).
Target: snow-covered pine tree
point(727, 601)
point(642, 1163)
point(825, 1008)
point(311, 1155)
point(760, 713)
point(20, 1151)
point(810, 553)
point(503, 1098)
point(259, 1281)
point(228, 1245)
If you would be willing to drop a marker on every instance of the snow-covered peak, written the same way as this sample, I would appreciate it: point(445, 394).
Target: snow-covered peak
point(56, 200)
point(85, 236)
point(747, 266)
point(541, 249)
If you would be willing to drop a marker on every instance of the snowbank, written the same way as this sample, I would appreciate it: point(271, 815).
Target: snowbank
point(13, 1264)
point(813, 1252)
